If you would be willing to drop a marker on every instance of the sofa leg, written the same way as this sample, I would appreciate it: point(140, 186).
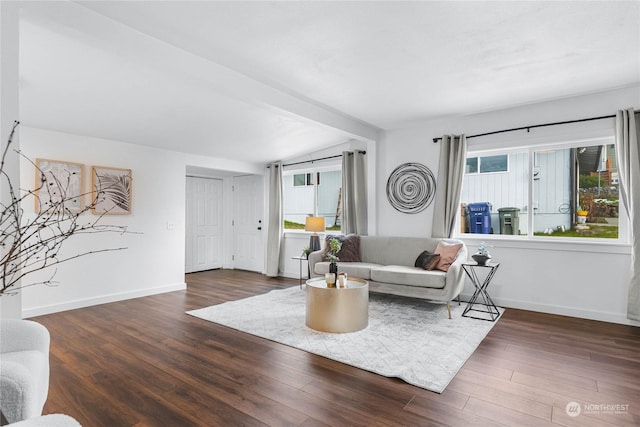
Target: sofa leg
point(449, 309)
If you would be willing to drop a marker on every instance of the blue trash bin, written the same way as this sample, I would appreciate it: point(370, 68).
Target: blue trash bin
point(479, 217)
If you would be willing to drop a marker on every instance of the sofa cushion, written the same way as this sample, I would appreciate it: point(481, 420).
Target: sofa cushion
point(361, 270)
point(350, 250)
point(388, 250)
point(448, 253)
point(409, 276)
point(427, 260)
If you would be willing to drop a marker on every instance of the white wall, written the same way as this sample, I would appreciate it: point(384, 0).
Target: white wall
point(9, 37)
point(575, 279)
point(154, 260)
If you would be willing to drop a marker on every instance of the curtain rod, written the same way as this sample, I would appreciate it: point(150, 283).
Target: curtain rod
point(527, 128)
point(317, 160)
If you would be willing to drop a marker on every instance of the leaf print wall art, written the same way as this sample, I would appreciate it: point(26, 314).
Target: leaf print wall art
point(112, 189)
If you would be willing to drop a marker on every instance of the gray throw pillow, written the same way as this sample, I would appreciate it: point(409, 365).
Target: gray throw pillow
point(427, 260)
point(350, 251)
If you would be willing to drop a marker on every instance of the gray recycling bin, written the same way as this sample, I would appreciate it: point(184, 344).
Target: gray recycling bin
point(509, 221)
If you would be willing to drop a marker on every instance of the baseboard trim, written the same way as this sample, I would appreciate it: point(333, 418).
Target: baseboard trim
point(601, 316)
point(290, 275)
point(88, 302)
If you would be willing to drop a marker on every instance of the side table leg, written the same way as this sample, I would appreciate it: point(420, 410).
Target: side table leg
point(476, 285)
point(300, 272)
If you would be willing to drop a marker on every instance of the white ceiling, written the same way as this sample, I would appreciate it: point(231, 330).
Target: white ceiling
point(261, 81)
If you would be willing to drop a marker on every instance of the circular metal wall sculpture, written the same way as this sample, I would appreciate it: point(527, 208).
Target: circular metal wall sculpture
point(411, 187)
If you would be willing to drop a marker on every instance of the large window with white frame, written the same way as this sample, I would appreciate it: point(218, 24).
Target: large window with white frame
point(568, 190)
point(315, 192)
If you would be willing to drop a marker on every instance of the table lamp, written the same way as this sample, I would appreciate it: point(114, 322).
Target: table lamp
point(314, 224)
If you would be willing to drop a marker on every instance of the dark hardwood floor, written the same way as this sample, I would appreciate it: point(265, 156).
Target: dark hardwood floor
point(144, 362)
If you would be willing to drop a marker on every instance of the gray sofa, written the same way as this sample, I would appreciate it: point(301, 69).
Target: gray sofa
point(387, 263)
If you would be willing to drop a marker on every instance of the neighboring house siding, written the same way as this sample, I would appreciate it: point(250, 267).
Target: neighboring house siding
point(328, 190)
point(298, 200)
point(501, 189)
point(551, 190)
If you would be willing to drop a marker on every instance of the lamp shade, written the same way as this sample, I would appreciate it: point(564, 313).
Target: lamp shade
point(314, 223)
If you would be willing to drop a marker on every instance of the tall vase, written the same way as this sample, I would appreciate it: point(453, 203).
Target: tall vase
point(333, 268)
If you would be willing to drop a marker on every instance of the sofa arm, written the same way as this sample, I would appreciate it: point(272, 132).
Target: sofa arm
point(455, 276)
point(51, 420)
point(21, 335)
point(315, 257)
point(24, 385)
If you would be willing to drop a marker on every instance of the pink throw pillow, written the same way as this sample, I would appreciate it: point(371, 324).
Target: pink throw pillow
point(448, 254)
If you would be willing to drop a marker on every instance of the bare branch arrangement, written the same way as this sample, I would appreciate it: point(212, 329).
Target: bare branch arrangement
point(28, 245)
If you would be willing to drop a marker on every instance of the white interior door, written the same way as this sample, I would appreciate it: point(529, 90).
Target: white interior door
point(203, 224)
point(248, 224)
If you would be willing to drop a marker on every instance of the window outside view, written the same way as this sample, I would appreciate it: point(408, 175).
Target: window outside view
point(574, 192)
point(312, 193)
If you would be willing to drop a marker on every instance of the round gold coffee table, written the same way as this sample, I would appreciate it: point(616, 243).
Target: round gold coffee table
point(337, 310)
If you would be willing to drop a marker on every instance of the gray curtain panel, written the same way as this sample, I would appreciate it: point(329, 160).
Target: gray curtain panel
point(453, 155)
point(274, 235)
point(354, 193)
point(628, 156)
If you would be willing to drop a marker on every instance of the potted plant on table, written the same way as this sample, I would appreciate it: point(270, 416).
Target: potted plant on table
point(482, 255)
point(334, 247)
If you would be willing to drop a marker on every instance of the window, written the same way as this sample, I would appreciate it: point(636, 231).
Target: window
point(565, 190)
point(472, 165)
point(488, 164)
point(302, 179)
point(316, 193)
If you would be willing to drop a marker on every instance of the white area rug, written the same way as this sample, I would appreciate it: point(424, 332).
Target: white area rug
point(406, 338)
